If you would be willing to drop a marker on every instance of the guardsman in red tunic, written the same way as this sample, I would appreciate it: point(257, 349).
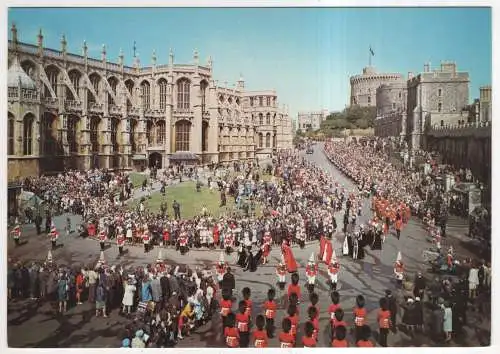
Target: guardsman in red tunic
point(16, 234)
point(102, 239)
point(54, 235)
point(333, 270)
point(120, 242)
point(145, 240)
point(311, 272)
point(266, 246)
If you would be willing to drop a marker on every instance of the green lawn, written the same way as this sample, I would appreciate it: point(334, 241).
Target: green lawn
point(190, 200)
point(137, 178)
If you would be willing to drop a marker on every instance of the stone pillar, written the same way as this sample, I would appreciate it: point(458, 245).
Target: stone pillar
point(125, 143)
point(213, 126)
point(105, 141)
point(169, 120)
point(195, 136)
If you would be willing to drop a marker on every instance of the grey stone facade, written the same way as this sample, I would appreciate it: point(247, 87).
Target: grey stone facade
point(311, 120)
point(435, 97)
point(364, 87)
point(391, 106)
point(71, 111)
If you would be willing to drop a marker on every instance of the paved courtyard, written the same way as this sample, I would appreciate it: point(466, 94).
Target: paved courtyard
point(33, 324)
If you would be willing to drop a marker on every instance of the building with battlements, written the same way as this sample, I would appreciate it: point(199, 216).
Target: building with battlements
point(438, 96)
point(311, 120)
point(364, 87)
point(70, 111)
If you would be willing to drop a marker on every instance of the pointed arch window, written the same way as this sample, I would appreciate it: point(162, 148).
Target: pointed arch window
point(163, 93)
point(160, 133)
point(182, 135)
point(52, 74)
point(203, 92)
point(183, 98)
point(74, 77)
point(268, 140)
point(10, 135)
point(145, 92)
point(114, 135)
point(71, 135)
point(268, 119)
point(261, 140)
point(94, 133)
point(261, 119)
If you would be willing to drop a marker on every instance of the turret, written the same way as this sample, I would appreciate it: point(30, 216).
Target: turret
point(241, 83)
point(103, 53)
point(63, 44)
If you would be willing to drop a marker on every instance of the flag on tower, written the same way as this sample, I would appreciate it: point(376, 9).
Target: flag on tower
point(371, 51)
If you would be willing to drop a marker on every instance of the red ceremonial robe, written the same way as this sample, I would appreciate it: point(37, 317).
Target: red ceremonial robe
point(328, 252)
point(290, 262)
point(322, 242)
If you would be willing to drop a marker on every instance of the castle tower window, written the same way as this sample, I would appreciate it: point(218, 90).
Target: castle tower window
point(268, 119)
point(261, 101)
point(268, 101)
point(440, 92)
point(440, 106)
point(369, 99)
point(261, 119)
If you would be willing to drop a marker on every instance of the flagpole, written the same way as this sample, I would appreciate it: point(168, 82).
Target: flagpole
point(370, 56)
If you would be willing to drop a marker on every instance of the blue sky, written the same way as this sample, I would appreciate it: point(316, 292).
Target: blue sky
point(306, 54)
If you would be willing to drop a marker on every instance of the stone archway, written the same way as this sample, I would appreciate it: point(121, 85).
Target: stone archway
point(155, 160)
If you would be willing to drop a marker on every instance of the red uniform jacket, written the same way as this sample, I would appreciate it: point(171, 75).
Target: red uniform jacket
point(331, 310)
point(242, 322)
point(359, 316)
point(287, 340)
point(294, 289)
point(384, 319)
point(364, 344)
point(260, 337)
point(309, 342)
point(270, 307)
point(232, 337)
point(225, 307)
point(339, 343)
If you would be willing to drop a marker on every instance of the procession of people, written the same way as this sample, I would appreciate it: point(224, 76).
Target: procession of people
point(302, 207)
